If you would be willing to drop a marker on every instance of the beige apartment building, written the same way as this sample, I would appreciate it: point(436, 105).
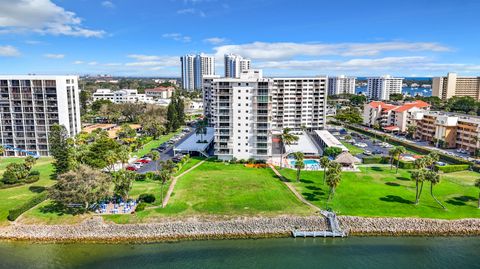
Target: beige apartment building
point(454, 85)
point(449, 130)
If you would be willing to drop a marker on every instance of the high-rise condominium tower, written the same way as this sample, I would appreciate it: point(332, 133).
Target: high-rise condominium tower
point(30, 105)
point(453, 85)
point(244, 111)
point(380, 88)
point(341, 85)
point(194, 67)
point(235, 64)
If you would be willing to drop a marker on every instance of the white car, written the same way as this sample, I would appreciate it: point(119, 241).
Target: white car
point(361, 145)
point(137, 165)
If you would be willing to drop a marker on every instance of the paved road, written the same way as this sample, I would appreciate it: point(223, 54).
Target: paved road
point(164, 156)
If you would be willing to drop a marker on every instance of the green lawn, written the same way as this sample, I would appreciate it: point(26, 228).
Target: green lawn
point(377, 191)
point(354, 150)
point(155, 143)
point(225, 190)
point(12, 197)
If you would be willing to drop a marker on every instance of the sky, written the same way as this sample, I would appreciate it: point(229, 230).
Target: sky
point(282, 37)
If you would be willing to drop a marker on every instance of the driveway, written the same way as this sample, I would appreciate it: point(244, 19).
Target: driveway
point(164, 156)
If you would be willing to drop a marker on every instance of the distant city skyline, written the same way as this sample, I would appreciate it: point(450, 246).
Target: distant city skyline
point(303, 38)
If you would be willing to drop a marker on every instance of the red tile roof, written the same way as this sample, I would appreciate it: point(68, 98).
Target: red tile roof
point(387, 107)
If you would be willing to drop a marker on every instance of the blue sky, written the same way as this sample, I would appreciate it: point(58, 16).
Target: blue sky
point(145, 38)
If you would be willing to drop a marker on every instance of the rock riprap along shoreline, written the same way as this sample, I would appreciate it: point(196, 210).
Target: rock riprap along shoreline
point(252, 227)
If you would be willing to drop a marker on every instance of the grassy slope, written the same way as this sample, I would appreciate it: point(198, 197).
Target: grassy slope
point(217, 189)
point(12, 197)
point(377, 191)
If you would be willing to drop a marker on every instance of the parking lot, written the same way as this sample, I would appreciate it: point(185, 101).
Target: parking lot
point(165, 154)
point(366, 144)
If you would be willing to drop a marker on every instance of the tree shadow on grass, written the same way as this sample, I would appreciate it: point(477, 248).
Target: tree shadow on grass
point(377, 168)
point(461, 200)
point(392, 184)
point(395, 198)
point(306, 181)
point(37, 189)
point(58, 209)
point(313, 196)
point(403, 178)
point(313, 188)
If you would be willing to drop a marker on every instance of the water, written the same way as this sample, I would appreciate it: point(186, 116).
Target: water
point(352, 252)
point(405, 90)
point(309, 164)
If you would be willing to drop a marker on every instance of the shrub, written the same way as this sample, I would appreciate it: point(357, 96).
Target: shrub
point(452, 168)
point(16, 212)
point(140, 207)
point(31, 179)
point(373, 160)
point(140, 177)
point(147, 198)
point(406, 164)
point(149, 175)
point(34, 173)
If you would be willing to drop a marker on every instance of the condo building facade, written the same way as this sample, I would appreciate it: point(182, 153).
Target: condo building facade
point(392, 117)
point(454, 85)
point(380, 88)
point(449, 130)
point(121, 96)
point(235, 64)
point(194, 68)
point(247, 111)
point(341, 85)
point(30, 105)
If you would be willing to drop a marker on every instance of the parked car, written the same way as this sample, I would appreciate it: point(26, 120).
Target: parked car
point(142, 161)
point(377, 152)
point(367, 152)
point(138, 164)
point(177, 158)
point(132, 168)
point(361, 145)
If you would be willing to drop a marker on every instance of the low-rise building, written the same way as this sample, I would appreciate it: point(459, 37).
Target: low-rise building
point(160, 92)
point(121, 96)
point(392, 117)
point(449, 130)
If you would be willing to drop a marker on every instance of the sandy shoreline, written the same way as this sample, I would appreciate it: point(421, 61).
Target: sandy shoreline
point(252, 227)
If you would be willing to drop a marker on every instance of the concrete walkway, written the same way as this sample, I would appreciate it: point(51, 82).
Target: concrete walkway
point(174, 182)
point(293, 190)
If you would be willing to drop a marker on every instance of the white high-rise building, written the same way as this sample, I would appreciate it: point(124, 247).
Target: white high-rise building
point(235, 64)
point(244, 111)
point(380, 88)
point(30, 105)
point(194, 67)
point(188, 72)
point(341, 85)
point(204, 66)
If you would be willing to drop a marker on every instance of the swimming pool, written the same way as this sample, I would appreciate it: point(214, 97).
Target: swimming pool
point(308, 163)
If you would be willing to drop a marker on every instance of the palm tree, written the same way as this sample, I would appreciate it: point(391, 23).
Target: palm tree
point(434, 157)
point(2, 150)
point(391, 153)
point(399, 151)
point(411, 130)
point(155, 157)
point(334, 174)
point(324, 162)
point(434, 178)
point(287, 139)
point(419, 177)
point(299, 164)
point(477, 184)
point(201, 129)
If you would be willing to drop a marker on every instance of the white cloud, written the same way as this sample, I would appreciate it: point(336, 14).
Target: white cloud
point(54, 56)
point(191, 11)
point(92, 63)
point(9, 51)
point(108, 4)
point(287, 50)
point(215, 40)
point(41, 16)
point(177, 37)
point(153, 61)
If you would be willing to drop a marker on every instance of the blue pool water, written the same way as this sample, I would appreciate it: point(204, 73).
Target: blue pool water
point(306, 162)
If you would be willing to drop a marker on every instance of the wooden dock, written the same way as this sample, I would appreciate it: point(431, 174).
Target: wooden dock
point(317, 234)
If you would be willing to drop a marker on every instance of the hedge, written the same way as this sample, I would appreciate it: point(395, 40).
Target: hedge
point(374, 160)
point(16, 212)
point(147, 198)
point(140, 207)
point(452, 168)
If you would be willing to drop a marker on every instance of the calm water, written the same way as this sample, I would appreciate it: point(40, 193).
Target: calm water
point(353, 252)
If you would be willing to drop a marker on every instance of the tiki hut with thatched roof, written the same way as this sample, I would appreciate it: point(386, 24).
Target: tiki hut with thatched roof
point(347, 160)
